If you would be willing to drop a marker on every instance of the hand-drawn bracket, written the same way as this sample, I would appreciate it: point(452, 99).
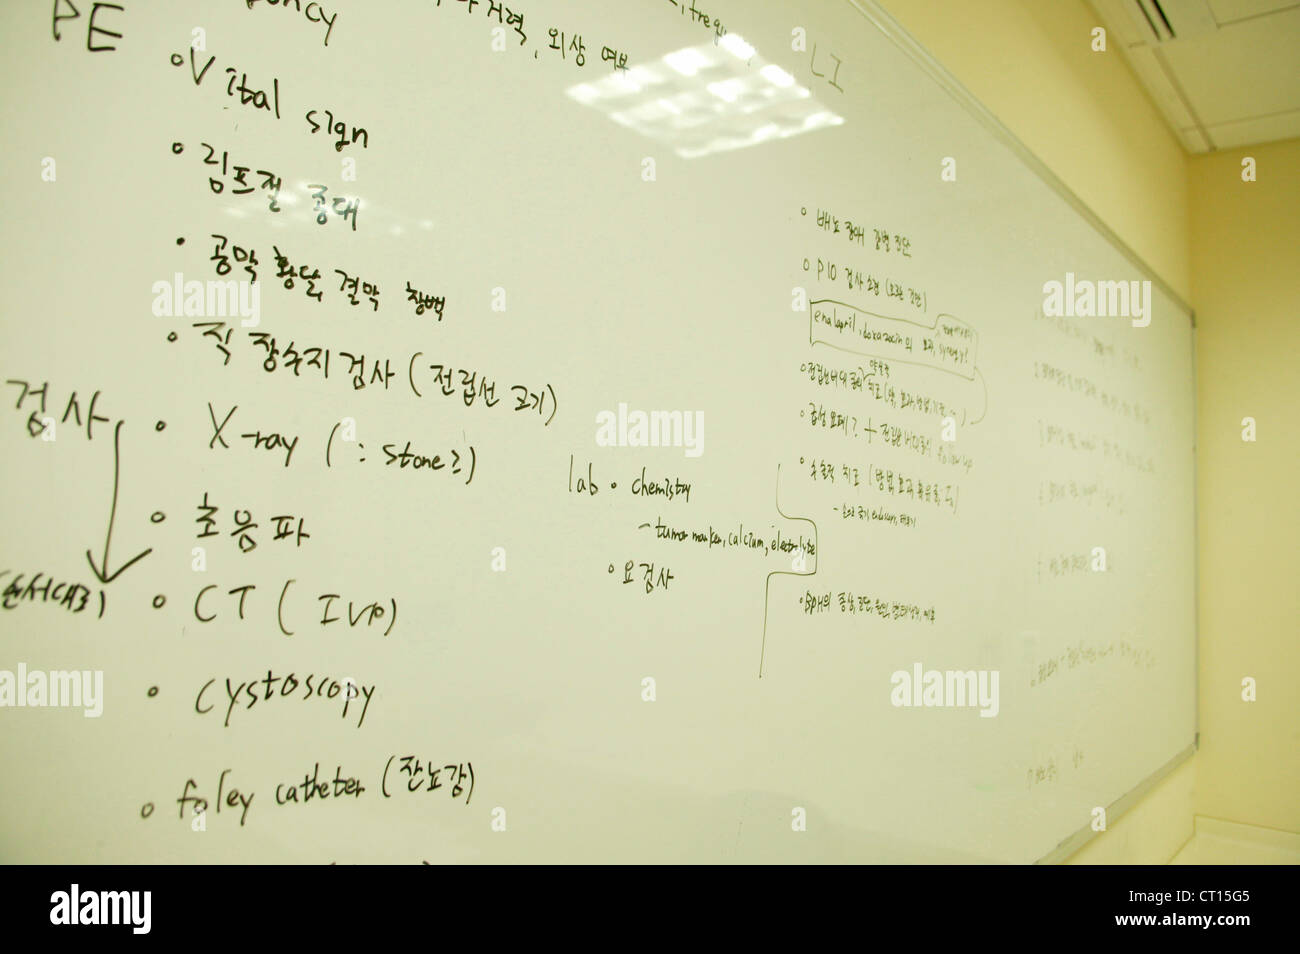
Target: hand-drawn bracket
point(767, 588)
point(985, 387)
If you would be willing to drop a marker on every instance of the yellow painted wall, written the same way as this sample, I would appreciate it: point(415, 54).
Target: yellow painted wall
point(1246, 287)
point(1030, 62)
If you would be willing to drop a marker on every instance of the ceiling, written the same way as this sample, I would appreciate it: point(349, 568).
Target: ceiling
point(1225, 73)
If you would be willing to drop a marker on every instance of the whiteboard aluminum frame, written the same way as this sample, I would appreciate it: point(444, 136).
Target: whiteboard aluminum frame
point(894, 32)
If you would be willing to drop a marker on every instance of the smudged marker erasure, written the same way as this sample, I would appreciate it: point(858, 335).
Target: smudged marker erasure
point(314, 686)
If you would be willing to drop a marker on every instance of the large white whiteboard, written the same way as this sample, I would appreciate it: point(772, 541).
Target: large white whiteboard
point(641, 239)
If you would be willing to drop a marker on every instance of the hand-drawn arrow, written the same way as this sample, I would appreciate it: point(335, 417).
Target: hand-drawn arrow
point(103, 575)
point(767, 587)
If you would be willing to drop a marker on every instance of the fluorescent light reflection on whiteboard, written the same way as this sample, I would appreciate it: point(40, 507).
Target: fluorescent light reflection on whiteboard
point(707, 99)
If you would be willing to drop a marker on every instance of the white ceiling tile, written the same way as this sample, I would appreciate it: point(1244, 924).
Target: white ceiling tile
point(1236, 85)
point(1254, 131)
point(1188, 17)
point(1244, 71)
point(1226, 11)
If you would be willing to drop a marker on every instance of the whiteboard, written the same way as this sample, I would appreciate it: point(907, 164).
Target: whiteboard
point(688, 407)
